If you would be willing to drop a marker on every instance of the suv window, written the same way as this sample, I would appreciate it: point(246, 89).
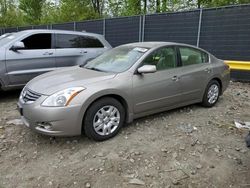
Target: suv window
point(163, 58)
point(190, 56)
point(77, 41)
point(37, 41)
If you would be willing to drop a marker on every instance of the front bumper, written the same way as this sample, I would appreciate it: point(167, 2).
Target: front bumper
point(53, 121)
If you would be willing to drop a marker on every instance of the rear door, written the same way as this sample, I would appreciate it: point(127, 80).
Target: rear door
point(36, 58)
point(194, 73)
point(73, 49)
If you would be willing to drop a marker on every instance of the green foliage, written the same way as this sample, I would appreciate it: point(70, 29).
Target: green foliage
point(50, 14)
point(76, 10)
point(11, 18)
point(31, 12)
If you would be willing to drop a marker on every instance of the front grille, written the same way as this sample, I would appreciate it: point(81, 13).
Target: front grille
point(30, 96)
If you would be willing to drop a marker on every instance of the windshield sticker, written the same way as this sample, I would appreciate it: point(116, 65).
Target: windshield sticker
point(143, 50)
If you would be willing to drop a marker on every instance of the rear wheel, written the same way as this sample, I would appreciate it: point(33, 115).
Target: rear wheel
point(211, 94)
point(103, 119)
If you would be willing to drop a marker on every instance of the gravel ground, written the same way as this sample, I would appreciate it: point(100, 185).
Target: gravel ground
point(187, 147)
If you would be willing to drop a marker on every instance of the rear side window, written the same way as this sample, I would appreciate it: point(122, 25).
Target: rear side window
point(190, 56)
point(38, 41)
point(77, 41)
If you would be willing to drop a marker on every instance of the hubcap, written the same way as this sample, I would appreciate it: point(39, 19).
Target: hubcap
point(106, 120)
point(213, 93)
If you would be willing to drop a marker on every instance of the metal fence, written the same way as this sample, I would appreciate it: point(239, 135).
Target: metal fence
point(225, 31)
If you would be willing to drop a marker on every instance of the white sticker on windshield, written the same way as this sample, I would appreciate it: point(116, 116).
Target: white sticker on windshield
point(143, 50)
point(10, 37)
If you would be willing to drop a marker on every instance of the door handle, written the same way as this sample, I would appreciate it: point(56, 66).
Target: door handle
point(48, 53)
point(175, 78)
point(83, 52)
point(208, 70)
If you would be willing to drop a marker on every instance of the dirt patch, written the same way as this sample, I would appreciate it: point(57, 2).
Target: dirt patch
point(186, 147)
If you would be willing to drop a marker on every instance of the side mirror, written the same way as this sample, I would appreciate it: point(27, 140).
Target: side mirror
point(147, 69)
point(17, 46)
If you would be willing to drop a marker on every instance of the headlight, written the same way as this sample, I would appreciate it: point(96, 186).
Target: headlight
point(62, 98)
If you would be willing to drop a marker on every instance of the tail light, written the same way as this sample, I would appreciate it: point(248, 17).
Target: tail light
point(227, 67)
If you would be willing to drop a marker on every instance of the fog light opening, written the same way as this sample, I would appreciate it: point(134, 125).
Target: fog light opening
point(45, 125)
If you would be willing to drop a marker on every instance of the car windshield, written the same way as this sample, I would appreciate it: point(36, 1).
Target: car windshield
point(117, 60)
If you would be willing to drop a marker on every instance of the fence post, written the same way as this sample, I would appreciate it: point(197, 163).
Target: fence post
point(143, 27)
point(17, 28)
point(104, 27)
point(199, 29)
point(140, 29)
point(49, 26)
point(74, 26)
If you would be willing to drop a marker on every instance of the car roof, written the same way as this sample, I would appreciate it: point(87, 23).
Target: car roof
point(157, 44)
point(59, 31)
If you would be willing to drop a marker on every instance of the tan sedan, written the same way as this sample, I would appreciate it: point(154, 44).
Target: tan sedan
point(125, 83)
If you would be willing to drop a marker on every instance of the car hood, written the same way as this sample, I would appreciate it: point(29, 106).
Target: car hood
point(64, 78)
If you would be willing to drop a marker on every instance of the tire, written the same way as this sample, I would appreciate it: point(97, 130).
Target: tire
point(211, 94)
point(103, 119)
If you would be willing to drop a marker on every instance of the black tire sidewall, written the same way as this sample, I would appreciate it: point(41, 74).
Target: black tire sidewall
point(92, 110)
point(205, 98)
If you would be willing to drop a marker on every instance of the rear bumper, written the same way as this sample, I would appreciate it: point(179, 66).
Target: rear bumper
point(225, 80)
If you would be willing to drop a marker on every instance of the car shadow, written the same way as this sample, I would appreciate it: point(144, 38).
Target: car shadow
point(164, 114)
point(9, 95)
point(184, 109)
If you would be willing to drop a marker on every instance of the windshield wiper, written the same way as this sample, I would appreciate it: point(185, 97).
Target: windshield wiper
point(93, 68)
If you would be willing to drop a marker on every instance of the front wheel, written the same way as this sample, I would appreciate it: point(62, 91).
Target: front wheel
point(211, 94)
point(103, 119)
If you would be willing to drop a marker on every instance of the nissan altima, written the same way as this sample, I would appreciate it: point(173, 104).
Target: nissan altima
point(125, 83)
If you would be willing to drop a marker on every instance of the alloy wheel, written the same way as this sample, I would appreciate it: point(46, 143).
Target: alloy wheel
point(213, 93)
point(106, 120)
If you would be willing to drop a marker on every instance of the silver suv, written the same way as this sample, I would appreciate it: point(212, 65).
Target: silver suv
point(27, 54)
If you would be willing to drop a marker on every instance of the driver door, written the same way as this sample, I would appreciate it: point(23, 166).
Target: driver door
point(153, 91)
point(35, 58)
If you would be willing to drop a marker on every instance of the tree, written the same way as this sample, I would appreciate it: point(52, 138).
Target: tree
point(158, 5)
point(76, 10)
point(9, 14)
point(133, 7)
point(50, 13)
point(27, 12)
point(98, 6)
point(114, 8)
point(32, 10)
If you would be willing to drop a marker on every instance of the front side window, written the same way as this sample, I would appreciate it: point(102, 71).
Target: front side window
point(117, 60)
point(163, 58)
point(77, 41)
point(37, 41)
point(191, 56)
